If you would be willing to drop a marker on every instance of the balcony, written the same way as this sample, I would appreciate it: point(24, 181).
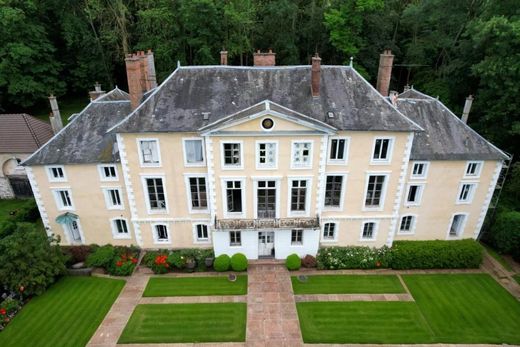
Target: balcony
point(268, 223)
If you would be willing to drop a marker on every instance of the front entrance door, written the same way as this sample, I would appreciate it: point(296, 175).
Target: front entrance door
point(74, 231)
point(266, 196)
point(265, 243)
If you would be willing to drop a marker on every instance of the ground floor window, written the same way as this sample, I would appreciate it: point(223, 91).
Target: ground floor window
point(120, 227)
point(161, 233)
point(235, 238)
point(297, 237)
point(202, 232)
point(329, 231)
point(406, 226)
point(457, 225)
point(369, 231)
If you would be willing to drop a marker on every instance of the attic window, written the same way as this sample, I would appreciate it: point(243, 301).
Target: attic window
point(205, 115)
point(267, 124)
point(330, 114)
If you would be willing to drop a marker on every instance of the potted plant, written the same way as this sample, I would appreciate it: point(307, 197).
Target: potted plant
point(190, 264)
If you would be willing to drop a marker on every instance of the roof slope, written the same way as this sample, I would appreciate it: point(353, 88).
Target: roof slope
point(445, 137)
point(22, 133)
point(85, 138)
point(224, 90)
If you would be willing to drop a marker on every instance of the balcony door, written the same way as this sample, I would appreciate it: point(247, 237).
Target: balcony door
point(266, 199)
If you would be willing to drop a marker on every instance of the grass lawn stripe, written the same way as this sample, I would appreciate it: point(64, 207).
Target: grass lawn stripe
point(177, 323)
point(348, 284)
point(67, 314)
point(466, 308)
point(195, 286)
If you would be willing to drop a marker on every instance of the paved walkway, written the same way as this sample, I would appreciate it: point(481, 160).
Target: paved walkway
point(501, 275)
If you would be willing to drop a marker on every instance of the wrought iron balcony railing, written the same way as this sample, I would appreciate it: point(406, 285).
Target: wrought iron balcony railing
point(268, 223)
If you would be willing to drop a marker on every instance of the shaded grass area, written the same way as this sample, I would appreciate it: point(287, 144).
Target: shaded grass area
point(362, 322)
point(171, 323)
point(68, 106)
point(195, 286)
point(468, 308)
point(67, 314)
point(498, 257)
point(8, 205)
point(348, 284)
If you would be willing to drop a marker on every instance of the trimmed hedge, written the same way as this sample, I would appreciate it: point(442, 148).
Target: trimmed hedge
point(353, 257)
point(222, 263)
point(293, 262)
point(239, 262)
point(436, 254)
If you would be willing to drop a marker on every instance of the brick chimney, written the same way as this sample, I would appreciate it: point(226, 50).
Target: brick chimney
point(97, 92)
point(55, 116)
point(223, 57)
point(384, 73)
point(140, 72)
point(264, 59)
point(467, 108)
point(315, 75)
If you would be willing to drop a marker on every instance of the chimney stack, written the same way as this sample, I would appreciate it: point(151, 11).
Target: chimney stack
point(223, 57)
point(384, 73)
point(264, 59)
point(315, 75)
point(393, 97)
point(140, 72)
point(55, 117)
point(97, 92)
point(467, 108)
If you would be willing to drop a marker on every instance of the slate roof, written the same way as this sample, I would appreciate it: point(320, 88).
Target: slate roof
point(85, 138)
point(445, 137)
point(224, 90)
point(22, 133)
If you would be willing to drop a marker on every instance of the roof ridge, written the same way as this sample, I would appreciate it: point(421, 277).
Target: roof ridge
point(31, 131)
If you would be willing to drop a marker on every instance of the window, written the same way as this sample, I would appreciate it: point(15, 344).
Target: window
point(156, 196)
point(466, 192)
point(161, 233)
point(235, 238)
point(301, 154)
point(298, 195)
point(193, 152)
point(382, 150)
point(407, 224)
point(414, 194)
point(369, 231)
point(329, 232)
point(108, 173)
point(232, 154)
point(149, 152)
point(113, 198)
point(120, 228)
point(419, 170)
point(457, 225)
point(56, 174)
point(297, 237)
point(374, 195)
point(267, 124)
point(338, 150)
point(234, 196)
point(473, 169)
point(202, 232)
point(198, 196)
point(333, 188)
point(266, 155)
point(63, 199)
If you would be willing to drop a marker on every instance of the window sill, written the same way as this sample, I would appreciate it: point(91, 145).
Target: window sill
point(150, 165)
point(296, 244)
point(115, 179)
point(402, 233)
point(231, 167)
point(122, 237)
point(201, 211)
point(367, 240)
point(380, 162)
point(236, 246)
point(308, 167)
point(203, 164)
point(162, 242)
point(329, 240)
point(202, 241)
point(115, 208)
point(337, 162)
point(463, 202)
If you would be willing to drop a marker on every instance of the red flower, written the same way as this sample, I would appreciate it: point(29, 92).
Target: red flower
point(3, 311)
point(123, 257)
point(134, 260)
point(119, 263)
point(22, 288)
point(378, 263)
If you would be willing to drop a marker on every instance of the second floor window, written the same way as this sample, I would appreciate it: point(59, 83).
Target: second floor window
point(198, 194)
point(466, 193)
point(234, 196)
point(333, 191)
point(149, 152)
point(232, 155)
point(382, 150)
point(156, 195)
point(473, 169)
point(301, 154)
point(108, 172)
point(194, 151)
point(338, 149)
point(298, 195)
point(63, 199)
point(113, 198)
point(414, 194)
point(56, 174)
point(419, 170)
point(375, 188)
point(266, 155)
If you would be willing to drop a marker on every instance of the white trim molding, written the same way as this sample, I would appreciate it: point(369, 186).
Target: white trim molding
point(487, 201)
point(39, 201)
point(212, 193)
point(320, 189)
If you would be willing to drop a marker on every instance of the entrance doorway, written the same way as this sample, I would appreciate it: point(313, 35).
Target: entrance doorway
point(266, 244)
point(73, 228)
point(266, 199)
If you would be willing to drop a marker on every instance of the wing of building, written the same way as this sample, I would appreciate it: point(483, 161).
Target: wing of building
point(265, 160)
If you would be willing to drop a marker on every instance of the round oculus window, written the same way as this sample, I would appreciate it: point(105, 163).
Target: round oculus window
point(267, 124)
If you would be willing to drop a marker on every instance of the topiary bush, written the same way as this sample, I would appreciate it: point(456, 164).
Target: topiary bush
point(309, 261)
point(353, 257)
point(293, 262)
point(222, 263)
point(436, 254)
point(239, 262)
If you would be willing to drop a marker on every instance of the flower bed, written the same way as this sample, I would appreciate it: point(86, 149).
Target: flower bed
point(353, 257)
point(185, 260)
point(8, 309)
point(117, 261)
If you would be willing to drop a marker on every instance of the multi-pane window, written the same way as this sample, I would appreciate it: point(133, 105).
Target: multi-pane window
point(232, 155)
point(333, 188)
point(235, 238)
point(113, 198)
point(466, 192)
point(266, 155)
point(473, 169)
point(298, 195)
point(297, 237)
point(406, 225)
point(194, 151)
point(301, 154)
point(329, 231)
point(149, 152)
point(234, 196)
point(457, 224)
point(338, 149)
point(382, 149)
point(63, 199)
point(120, 227)
point(414, 194)
point(202, 232)
point(198, 194)
point(419, 170)
point(108, 172)
point(375, 188)
point(56, 174)
point(161, 233)
point(369, 230)
point(156, 195)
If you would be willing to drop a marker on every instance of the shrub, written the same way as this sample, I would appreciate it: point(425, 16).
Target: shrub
point(177, 260)
point(160, 264)
point(76, 254)
point(505, 233)
point(123, 265)
point(101, 256)
point(239, 262)
point(28, 212)
point(293, 262)
point(149, 257)
point(437, 254)
point(353, 257)
point(222, 263)
point(309, 261)
point(8, 309)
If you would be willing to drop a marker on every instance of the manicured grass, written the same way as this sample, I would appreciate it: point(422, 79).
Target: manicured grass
point(498, 257)
point(517, 278)
point(9, 205)
point(348, 284)
point(466, 308)
point(171, 323)
point(195, 286)
point(67, 314)
point(362, 322)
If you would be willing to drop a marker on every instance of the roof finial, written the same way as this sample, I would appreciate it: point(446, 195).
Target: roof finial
point(351, 62)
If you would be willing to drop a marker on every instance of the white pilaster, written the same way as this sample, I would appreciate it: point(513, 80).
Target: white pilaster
point(39, 201)
point(487, 201)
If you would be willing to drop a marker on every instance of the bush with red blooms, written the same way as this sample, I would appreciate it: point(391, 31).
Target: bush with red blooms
point(160, 264)
point(116, 260)
point(124, 265)
point(8, 309)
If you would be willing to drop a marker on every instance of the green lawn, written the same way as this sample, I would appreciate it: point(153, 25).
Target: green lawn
point(67, 314)
point(195, 286)
point(172, 323)
point(9, 205)
point(498, 257)
point(362, 322)
point(348, 284)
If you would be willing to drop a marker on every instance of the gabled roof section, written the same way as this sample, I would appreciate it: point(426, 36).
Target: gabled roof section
point(445, 137)
point(22, 133)
point(219, 91)
point(85, 138)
